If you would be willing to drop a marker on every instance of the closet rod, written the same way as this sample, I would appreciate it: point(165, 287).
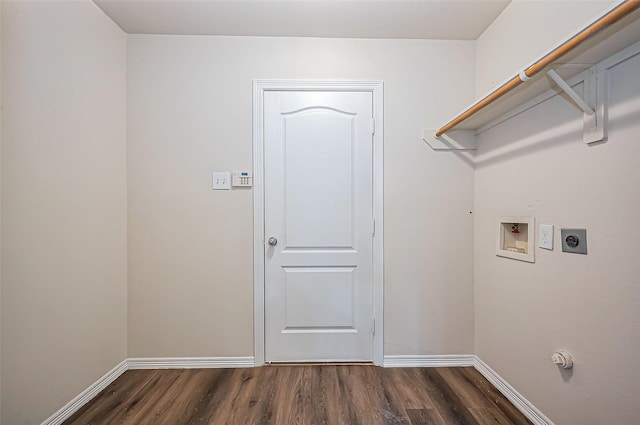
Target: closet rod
point(623, 9)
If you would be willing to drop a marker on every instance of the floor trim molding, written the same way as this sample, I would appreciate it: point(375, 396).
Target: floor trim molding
point(521, 403)
point(85, 396)
point(143, 363)
point(462, 360)
point(429, 360)
point(445, 360)
point(189, 362)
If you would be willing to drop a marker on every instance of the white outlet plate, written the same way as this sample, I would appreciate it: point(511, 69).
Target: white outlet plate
point(222, 181)
point(545, 236)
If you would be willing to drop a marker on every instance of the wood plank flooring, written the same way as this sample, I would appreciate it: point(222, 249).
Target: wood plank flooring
point(301, 395)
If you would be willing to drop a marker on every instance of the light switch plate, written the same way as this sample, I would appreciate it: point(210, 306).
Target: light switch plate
point(222, 181)
point(545, 236)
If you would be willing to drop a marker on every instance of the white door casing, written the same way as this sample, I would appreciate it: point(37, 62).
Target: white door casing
point(318, 190)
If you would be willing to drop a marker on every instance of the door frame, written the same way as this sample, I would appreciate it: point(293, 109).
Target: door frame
point(259, 88)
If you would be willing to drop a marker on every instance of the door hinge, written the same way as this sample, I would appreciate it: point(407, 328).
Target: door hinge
point(373, 227)
point(373, 326)
point(372, 126)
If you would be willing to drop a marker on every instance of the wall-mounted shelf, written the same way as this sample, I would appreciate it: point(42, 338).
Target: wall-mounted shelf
point(575, 58)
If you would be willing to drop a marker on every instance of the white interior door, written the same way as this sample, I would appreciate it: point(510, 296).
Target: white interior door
point(318, 187)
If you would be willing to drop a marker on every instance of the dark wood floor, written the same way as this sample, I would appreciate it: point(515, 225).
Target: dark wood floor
point(309, 395)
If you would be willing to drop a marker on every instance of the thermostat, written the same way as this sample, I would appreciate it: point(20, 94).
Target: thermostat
point(242, 179)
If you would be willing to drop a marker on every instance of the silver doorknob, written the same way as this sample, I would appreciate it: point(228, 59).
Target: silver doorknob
point(272, 241)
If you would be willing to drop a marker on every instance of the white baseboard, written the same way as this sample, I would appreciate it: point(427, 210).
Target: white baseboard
point(190, 362)
point(462, 360)
point(521, 403)
point(453, 360)
point(448, 360)
point(144, 363)
point(84, 397)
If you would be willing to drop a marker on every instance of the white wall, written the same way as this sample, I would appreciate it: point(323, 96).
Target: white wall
point(64, 177)
point(536, 164)
point(1, 103)
point(63, 203)
point(526, 30)
point(190, 249)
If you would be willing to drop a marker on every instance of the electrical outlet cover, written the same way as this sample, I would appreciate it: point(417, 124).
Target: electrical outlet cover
point(574, 240)
point(545, 236)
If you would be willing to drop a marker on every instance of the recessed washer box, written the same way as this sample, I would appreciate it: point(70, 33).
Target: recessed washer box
point(515, 238)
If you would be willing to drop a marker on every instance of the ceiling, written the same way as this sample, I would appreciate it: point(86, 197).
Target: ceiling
point(421, 19)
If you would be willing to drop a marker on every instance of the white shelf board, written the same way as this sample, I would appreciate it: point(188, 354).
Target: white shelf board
point(599, 47)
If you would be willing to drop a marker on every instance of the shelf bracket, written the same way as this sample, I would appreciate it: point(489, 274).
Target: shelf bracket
point(453, 140)
point(594, 127)
point(570, 92)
